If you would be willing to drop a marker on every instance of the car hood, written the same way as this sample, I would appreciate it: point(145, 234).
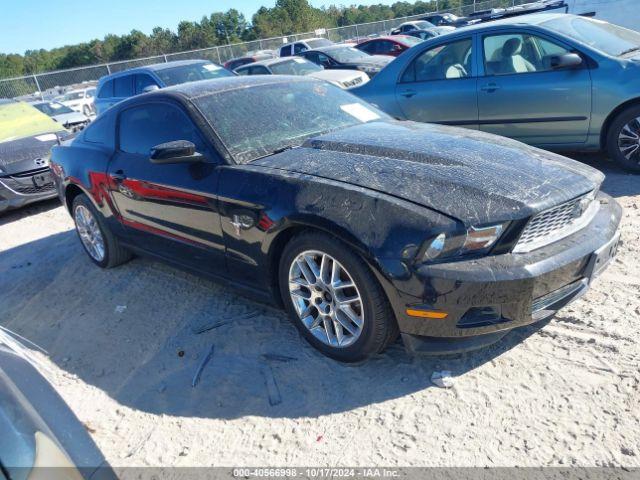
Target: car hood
point(472, 176)
point(72, 117)
point(26, 154)
point(374, 60)
point(336, 75)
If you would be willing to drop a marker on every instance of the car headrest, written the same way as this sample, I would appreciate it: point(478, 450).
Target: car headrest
point(511, 47)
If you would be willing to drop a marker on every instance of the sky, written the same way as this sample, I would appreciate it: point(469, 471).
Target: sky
point(35, 24)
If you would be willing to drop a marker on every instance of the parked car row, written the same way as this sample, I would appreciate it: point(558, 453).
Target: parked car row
point(299, 66)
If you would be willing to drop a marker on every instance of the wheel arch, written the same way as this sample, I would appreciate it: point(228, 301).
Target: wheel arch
point(604, 132)
point(70, 193)
point(320, 225)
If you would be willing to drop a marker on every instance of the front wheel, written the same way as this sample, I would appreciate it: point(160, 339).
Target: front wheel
point(623, 139)
point(98, 241)
point(333, 298)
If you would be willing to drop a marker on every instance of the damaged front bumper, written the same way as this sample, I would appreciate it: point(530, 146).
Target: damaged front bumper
point(24, 188)
point(486, 298)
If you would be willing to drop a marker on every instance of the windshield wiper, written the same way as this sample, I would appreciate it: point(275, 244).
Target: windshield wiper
point(630, 50)
point(283, 149)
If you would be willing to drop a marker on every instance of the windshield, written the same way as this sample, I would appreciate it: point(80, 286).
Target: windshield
point(346, 54)
point(53, 108)
point(423, 24)
point(606, 37)
point(192, 73)
point(19, 120)
point(295, 66)
point(257, 121)
point(319, 42)
point(73, 96)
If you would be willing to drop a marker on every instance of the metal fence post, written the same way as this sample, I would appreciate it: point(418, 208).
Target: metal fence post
point(357, 35)
point(38, 87)
point(164, 55)
point(218, 52)
point(108, 68)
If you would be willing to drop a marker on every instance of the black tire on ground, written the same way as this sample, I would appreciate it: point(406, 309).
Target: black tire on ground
point(114, 253)
point(619, 122)
point(379, 327)
point(86, 110)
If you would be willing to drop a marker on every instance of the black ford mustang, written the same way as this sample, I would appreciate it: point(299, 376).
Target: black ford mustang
point(361, 226)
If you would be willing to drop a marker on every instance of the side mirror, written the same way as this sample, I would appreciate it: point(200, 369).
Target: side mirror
point(150, 88)
point(180, 151)
point(397, 48)
point(568, 60)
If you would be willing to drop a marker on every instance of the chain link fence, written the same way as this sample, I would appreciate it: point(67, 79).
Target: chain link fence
point(51, 84)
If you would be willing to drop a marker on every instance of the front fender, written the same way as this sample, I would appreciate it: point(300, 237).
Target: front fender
point(385, 231)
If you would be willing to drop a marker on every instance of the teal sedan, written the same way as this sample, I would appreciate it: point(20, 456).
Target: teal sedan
point(558, 81)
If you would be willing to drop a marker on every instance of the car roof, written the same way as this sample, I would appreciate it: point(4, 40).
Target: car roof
point(271, 61)
point(302, 40)
point(155, 67)
point(330, 47)
point(393, 38)
point(529, 19)
point(206, 87)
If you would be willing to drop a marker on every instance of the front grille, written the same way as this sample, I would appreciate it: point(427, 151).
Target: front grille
point(557, 222)
point(353, 83)
point(23, 183)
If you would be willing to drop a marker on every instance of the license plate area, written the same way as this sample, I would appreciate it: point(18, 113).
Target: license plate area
point(601, 258)
point(41, 179)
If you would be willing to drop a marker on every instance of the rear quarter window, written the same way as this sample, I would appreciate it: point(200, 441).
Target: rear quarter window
point(106, 91)
point(98, 132)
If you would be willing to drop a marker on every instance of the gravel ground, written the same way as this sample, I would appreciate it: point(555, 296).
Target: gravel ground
point(123, 350)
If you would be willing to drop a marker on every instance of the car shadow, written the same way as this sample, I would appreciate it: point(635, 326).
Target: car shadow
point(145, 334)
point(28, 210)
point(618, 182)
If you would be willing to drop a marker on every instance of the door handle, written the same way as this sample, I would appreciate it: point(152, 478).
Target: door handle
point(408, 93)
point(490, 87)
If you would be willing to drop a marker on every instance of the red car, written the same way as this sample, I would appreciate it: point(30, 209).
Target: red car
point(393, 45)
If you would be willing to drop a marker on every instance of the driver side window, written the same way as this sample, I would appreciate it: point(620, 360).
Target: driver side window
point(143, 127)
point(443, 62)
point(519, 53)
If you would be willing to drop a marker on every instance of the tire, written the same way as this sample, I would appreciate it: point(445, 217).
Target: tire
point(377, 325)
point(84, 214)
point(86, 109)
point(625, 131)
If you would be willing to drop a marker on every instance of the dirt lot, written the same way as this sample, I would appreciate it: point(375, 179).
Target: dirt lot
point(563, 394)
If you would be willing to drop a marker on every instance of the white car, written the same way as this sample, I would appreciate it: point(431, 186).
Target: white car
point(406, 27)
point(80, 100)
point(344, 79)
point(295, 48)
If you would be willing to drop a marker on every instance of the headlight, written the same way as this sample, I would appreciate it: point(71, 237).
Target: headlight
point(482, 238)
point(475, 240)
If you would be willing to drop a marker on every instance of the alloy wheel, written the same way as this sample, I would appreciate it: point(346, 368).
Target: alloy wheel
point(629, 140)
point(90, 234)
point(326, 298)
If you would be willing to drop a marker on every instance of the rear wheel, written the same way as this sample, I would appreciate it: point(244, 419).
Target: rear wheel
point(98, 241)
point(333, 298)
point(623, 139)
point(86, 110)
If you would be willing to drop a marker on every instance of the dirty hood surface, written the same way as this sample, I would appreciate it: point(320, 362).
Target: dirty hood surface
point(472, 176)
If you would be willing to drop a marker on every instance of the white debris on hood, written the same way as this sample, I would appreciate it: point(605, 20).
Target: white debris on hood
point(120, 308)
